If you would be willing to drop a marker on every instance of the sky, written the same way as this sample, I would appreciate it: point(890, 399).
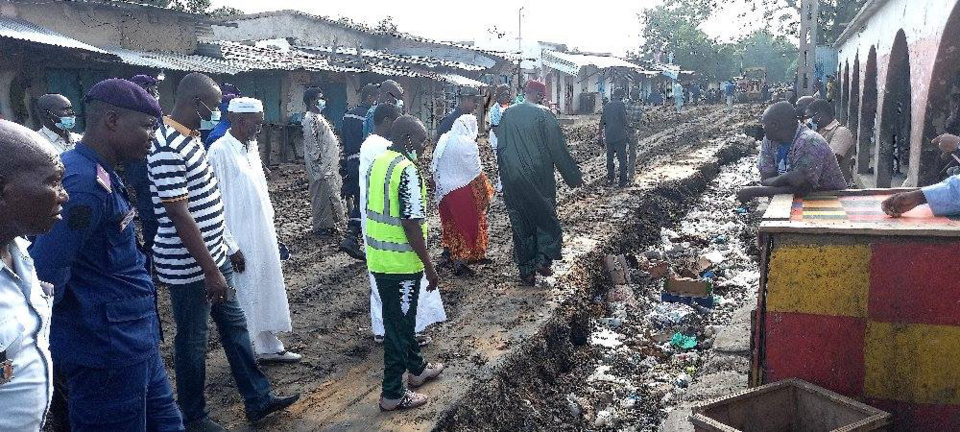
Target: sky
point(602, 26)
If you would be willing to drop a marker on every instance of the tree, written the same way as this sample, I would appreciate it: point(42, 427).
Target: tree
point(784, 16)
point(386, 26)
point(763, 49)
point(674, 28)
point(225, 11)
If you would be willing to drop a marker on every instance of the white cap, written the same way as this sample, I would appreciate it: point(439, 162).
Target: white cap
point(245, 105)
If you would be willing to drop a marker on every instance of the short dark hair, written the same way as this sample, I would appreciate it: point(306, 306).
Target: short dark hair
point(311, 94)
point(822, 106)
point(385, 111)
point(369, 90)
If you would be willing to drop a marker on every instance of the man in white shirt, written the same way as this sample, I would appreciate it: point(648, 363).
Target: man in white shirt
point(31, 196)
point(58, 118)
point(235, 160)
point(430, 307)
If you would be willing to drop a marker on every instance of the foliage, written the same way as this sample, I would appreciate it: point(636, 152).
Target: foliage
point(784, 16)
point(224, 11)
point(386, 26)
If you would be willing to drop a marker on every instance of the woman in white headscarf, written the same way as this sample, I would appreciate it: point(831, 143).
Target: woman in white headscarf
point(463, 194)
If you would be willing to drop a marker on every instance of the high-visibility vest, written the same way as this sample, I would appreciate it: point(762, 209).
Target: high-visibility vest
point(388, 250)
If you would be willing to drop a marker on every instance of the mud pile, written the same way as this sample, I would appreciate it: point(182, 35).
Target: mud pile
point(602, 363)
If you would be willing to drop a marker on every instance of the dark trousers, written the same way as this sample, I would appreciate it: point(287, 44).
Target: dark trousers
point(351, 191)
point(191, 312)
point(537, 234)
point(136, 398)
point(632, 141)
point(401, 353)
point(137, 179)
point(618, 149)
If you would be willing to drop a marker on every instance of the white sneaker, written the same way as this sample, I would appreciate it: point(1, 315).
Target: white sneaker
point(280, 357)
point(430, 372)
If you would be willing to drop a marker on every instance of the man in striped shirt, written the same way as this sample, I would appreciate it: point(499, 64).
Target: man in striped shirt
point(190, 256)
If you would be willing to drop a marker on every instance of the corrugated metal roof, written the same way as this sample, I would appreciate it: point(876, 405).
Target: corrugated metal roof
point(186, 63)
point(389, 59)
point(248, 57)
point(15, 28)
point(572, 63)
point(461, 80)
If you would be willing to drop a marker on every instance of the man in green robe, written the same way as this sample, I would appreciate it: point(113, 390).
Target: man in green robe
point(531, 145)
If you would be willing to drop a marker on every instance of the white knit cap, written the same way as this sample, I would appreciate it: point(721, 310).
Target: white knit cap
point(245, 105)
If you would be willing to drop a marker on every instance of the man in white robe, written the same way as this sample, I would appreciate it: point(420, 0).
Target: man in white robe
point(430, 306)
point(261, 292)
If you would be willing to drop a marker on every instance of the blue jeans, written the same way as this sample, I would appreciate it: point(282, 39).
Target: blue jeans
point(136, 398)
point(190, 312)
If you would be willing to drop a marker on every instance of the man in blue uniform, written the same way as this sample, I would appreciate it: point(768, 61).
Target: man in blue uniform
point(469, 100)
point(352, 139)
point(390, 92)
point(106, 332)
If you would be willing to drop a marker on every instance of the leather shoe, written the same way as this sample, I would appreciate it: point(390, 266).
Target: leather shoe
point(205, 425)
point(275, 404)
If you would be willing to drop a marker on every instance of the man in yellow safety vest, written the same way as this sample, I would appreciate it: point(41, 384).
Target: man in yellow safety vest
point(397, 257)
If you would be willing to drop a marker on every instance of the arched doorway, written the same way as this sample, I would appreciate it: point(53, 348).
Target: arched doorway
point(866, 136)
point(893, 146)
point(943, 101)
point(853, 116)
point(845, 93)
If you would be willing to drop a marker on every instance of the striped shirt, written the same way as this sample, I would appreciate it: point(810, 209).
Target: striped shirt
point(179, 170)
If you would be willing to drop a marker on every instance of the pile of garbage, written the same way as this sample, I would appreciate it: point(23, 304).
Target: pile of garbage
point(666, 306)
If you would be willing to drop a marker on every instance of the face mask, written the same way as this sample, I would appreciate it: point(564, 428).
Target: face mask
point(400, 104)
point(812, 125)
point(321, 104)
point(206, 125)
point(66, 123)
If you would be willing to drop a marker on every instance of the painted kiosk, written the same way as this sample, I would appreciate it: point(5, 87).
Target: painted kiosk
point(862, 304)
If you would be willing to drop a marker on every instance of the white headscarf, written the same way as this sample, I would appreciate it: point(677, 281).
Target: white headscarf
point(456, 161)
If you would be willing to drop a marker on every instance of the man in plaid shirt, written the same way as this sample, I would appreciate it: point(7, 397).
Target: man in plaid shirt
point(634, 115)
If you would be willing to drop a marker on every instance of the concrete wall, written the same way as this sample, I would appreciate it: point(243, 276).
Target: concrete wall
point(132, 27)
point(305, 29)
point(923, 23)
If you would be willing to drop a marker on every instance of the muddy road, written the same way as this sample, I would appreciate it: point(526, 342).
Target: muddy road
point(491, 319)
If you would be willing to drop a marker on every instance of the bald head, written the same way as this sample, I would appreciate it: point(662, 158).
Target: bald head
point(780, 122)
point(23, 149)
point(197, 97)
point(53, 107)
point(31, 193)
point(408, 133)
point(53, 102)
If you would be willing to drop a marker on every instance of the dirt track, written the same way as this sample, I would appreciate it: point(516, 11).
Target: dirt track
point(490, 316)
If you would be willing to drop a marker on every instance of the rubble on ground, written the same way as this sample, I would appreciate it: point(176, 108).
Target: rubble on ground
point(649, 351)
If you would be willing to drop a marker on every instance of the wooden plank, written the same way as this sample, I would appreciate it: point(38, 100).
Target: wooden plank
point(861, 228)
point(779, 208)
point(861, 192)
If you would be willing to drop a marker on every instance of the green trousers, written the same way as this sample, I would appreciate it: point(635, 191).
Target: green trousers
point(401, 353)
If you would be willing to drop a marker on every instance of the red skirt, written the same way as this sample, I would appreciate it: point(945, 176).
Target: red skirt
point(463, 214)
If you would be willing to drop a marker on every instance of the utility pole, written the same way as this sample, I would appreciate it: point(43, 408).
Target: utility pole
point(809, 32)
point(520, 50)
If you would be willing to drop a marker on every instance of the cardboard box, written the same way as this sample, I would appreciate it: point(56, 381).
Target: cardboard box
point(688, 287)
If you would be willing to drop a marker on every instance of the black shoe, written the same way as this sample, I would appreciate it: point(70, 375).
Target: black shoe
point(205, 425)
point(350, 247)
point(275, 404)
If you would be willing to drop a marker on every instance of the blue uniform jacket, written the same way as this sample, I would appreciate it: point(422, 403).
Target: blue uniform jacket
point(105, 310)
point(352, 130)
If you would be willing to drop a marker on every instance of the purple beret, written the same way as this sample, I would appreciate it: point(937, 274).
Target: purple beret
point(144, 80)
point(124, 94)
